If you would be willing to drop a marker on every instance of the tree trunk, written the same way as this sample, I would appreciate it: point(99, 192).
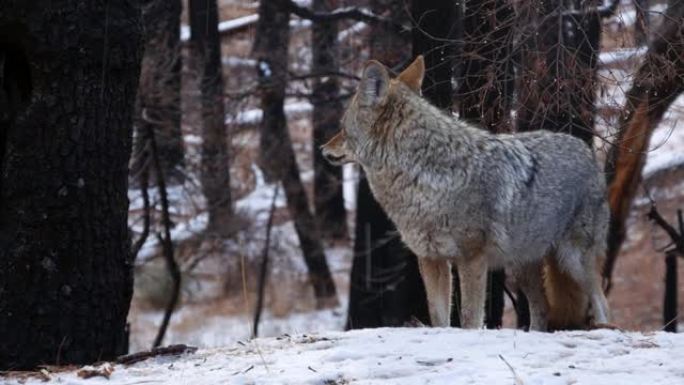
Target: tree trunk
point(556, 82)
point(278, 158)
point(642, 23)
point(386, 288)
point(433, 34)
point(486, 77)
point(68, 87)
point(657, 83)
point(159, 89)
point(557, 79)
point(434, 27)
point(331, 217)
point(484, 95)
point(670, 298)
point(215, 167)
point(271, 41)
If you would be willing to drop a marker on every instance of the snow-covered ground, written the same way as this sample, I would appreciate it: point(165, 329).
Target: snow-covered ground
point(418, 356)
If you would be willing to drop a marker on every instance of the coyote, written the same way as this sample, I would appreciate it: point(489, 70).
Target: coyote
point(533, 203)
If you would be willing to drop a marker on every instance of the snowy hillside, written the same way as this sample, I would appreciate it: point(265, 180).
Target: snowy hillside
point(418, 356)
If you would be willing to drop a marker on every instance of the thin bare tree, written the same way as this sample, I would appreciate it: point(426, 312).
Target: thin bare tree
point(276, 152)
point(331, 216)
point(215, 164)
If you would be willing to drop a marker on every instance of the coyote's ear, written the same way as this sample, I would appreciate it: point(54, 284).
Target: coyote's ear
point(412, 76)
point(374, 84)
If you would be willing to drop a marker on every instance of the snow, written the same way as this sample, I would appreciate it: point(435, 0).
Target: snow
point(665, 150)
point(240, 22)
point(237, 22)
point(232, 61)
point(219, 330)
point(628, 16)
point(409, 356)
point(265, 69)
point(619, 55)
point(255, 115)
point(351, 31)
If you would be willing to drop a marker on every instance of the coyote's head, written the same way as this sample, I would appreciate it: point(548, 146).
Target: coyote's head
point(366, 107)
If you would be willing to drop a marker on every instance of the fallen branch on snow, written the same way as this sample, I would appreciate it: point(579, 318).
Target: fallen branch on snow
point(171, 350)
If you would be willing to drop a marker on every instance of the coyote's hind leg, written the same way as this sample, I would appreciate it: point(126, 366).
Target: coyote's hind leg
point(530, 281)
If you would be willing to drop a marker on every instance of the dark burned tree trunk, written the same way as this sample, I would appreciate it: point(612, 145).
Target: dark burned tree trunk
point(557, 80)
point(270, 51)
point(486, 69)
point(386, 287)
point(66, 102)
point(433, 37)
point(484, 96)
point(670, 298)
point(271, 42)
point(434, 31)
point(331, 216)
point(657, 83)
point(642, 23)
point(215, 171)
point(557, 74)
point(159, 89)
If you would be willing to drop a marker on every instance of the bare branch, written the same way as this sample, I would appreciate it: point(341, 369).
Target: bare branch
point(165, 241)
point(263, 269)
point(170, 350)
point(144, 183)
point(677, 238)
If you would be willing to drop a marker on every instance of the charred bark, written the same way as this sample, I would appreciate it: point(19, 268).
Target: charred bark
point(670, 298)
point(486, 69)
point(331, 216)
point(434, 31)
point(68, 84)
point(557, 79)
point(278, 158)
point(215, 164)
point(159, 90)
point(386, 288)
point(271, 42)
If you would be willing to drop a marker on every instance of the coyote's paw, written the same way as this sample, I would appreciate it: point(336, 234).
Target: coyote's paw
point(414, 323)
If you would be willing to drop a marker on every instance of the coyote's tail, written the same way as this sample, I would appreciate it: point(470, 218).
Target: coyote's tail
point(568, 304)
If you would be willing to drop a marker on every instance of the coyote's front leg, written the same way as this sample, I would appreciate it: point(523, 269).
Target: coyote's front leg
point(436, 275)
point(472, 273)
